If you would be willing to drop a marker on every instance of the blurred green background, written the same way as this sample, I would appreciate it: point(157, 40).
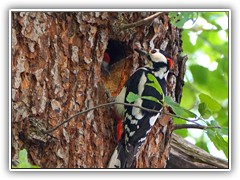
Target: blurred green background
point(205, 39)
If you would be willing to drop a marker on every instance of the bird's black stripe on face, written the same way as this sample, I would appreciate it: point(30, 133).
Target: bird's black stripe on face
point(164, 53)
point(158, 65)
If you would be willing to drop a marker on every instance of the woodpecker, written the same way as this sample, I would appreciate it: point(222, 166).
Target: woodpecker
point(137, 122)
point(105, 62)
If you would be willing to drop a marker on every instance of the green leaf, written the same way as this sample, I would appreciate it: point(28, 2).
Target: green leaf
point(178, 19)
point(218, 141)
point(131, 97)
point(23, 156)
point(23, 160)
point(188, 96)
point(204, 110)
point(210, 82)
point(200, 74)
point(217, 86)
point(212, 104)
point(212, 122)
point(182, 132)
point(151, 98)
point(215, 135)
point(224, 130)
point(200, 142)
point(222, 117)
point(178, 110)
point(155, 83)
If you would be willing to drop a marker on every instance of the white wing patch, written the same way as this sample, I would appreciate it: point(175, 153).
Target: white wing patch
point(131, 133)
point(141, 84)
point(136, 112)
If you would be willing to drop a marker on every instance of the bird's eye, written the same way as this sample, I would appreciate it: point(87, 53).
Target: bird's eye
point(153, 51)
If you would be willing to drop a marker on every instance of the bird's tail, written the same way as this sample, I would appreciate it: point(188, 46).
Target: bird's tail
point(118, 159)
point(122, 158)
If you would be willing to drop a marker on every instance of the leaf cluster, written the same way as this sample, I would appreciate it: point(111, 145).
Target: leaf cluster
point(206, 87)
point(178, 19)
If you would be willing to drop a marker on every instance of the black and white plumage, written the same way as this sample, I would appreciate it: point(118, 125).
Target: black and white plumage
point(138, 122)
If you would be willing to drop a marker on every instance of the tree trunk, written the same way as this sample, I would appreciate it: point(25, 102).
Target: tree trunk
point(56, 72)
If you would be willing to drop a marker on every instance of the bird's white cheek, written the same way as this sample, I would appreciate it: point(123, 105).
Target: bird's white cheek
point(158, 57)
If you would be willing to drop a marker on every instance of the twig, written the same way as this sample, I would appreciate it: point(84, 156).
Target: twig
point(110, 104)
point(141, 22)
point(77, 114)
point(186, 119)
point(196, 126)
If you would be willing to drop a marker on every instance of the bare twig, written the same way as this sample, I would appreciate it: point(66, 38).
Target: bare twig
point(196, 126)
point(110, 104)
point(77, 114)
point(141, 22)
point(183, 118)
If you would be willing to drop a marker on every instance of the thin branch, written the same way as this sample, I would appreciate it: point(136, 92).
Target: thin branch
point(96, 107)
point(77, 114)
point(113, 103)
point(196, 126)
point(183, 118)
point(141, 22)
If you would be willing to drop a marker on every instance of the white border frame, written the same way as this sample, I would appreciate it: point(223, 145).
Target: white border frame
point(119, 10)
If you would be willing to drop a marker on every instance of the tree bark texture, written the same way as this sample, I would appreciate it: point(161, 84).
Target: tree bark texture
point(56, 72)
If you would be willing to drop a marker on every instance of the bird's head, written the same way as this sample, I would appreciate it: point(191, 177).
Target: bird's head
point(159, 58)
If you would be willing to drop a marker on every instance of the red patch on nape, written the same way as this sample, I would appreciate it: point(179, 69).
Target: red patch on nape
point(170, 63)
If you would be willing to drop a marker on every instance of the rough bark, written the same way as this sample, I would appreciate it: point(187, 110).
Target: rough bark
point(56, 60)
point(56, 72)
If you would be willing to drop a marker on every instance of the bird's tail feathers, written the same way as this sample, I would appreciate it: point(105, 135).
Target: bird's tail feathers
point(118, 158)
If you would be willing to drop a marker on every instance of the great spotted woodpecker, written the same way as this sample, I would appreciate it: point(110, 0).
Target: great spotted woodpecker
point(105, 63)
point(137, 122)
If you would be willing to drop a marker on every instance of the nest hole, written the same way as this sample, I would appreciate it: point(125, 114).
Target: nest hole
point(117, 50)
